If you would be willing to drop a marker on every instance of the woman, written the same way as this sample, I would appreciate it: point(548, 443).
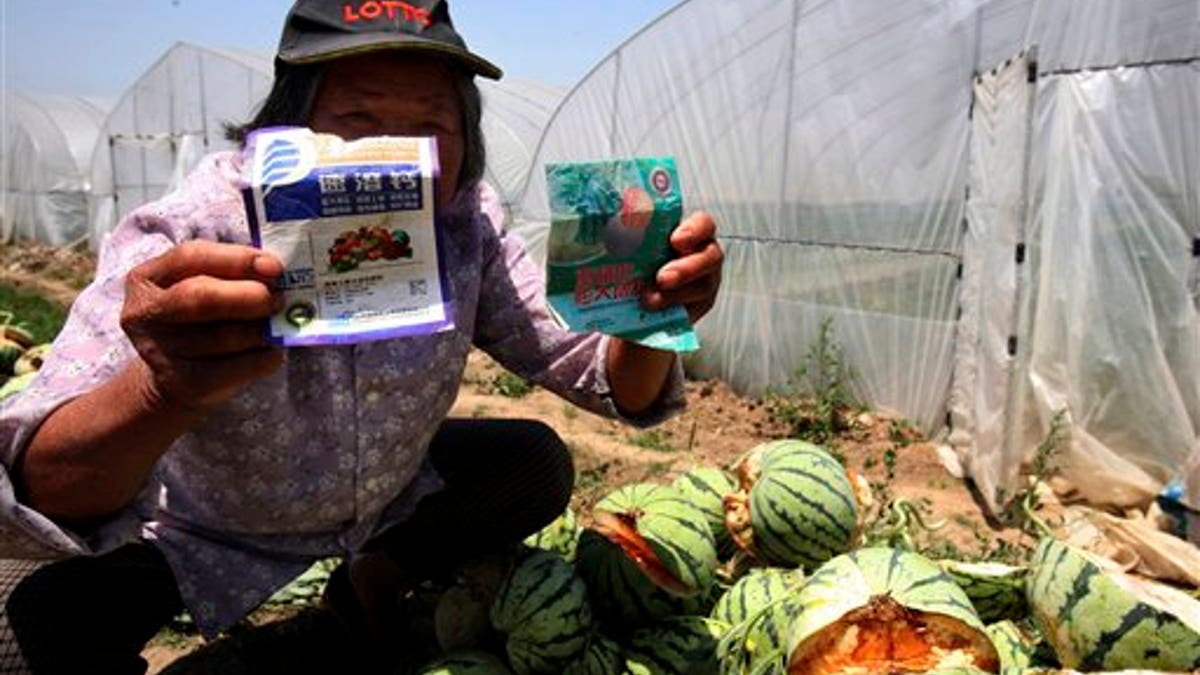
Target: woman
point(167, 447)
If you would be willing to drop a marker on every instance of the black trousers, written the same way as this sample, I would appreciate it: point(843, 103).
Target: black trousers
point(505, 479)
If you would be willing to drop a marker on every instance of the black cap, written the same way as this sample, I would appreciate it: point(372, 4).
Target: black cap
point(318, 30)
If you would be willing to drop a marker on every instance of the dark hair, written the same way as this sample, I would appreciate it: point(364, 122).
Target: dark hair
point(294, 92)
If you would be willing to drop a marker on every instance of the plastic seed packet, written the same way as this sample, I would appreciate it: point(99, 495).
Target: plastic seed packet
point(353, 223)
point(610, 226)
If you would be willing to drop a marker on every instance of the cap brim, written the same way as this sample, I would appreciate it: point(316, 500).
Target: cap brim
point(335, 46)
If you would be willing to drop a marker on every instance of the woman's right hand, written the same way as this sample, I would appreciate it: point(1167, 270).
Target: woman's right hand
point(195, 316)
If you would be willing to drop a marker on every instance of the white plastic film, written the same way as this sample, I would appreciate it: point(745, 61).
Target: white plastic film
point(995, 226)
point(1110, 322)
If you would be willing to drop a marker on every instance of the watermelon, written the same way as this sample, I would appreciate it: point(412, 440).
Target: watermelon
point(467, 662)
point(706, 487)
point(759, 607)
point(542, 610)
point(680, 644)
point(795, 505)
point(14, 385)
point(1097, 617)
point(561, 536)
point(997, 591)
point(1014, 647)
point(602, 657)
point(650, 555)
point(885, 610)
point(31, 360)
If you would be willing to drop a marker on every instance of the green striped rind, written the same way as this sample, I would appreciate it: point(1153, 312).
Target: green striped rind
point(467, 663)
point(849, 581)
point(1099, 619)
point(561, 536)
point(802, 507)
point(758, 588)
point(542, 609)
point(603, 657)
point(620, 593)
point(674, 528)
point(1014, 647)
point(680, 644)
point(758, 644)
point(997, 591)
point(705, 487)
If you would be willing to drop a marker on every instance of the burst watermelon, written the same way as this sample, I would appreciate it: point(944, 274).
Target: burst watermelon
point(650, 555)
point(542, 609)
point(885, 610)
point(795, 506)
point(1099, 618)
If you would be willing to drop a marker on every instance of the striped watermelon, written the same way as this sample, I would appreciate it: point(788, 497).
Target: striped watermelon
point(885, 610)
point(561, 536)
point(650, 555)
point(996, 590)
point(796, 505)
point(759, 607)
point(542, 609)
point(469, 662)
point(679, 644)
point(1014, 647)
point(1099, 618)
point(706, 487)
point(603, 657)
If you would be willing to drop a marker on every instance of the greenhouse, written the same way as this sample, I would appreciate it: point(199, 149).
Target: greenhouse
point(93, 166)
point(990, 205)
point(47, 156)
point(166, 121)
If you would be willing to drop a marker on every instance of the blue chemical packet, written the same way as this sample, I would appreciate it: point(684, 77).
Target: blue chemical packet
point(609, 234)
point(353, 223)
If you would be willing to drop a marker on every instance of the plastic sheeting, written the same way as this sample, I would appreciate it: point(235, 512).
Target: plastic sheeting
point(173, 115)
point(45, 165)
point(515, 113)
point(176, 113)
point(834, 142)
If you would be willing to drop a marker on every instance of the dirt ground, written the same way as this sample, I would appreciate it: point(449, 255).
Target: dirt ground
point(716, 429)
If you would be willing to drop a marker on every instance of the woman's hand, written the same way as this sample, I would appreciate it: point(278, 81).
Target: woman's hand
point(692, 279)
point(195, 316)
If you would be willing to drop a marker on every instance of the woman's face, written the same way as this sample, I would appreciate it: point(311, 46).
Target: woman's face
point(395, 94)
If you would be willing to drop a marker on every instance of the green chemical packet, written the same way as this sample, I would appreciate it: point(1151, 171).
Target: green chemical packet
point(610, 225)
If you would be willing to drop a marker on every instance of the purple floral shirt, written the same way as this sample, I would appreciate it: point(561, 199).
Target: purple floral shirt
point(329, 450)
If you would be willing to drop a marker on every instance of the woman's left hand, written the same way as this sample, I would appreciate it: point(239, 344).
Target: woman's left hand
point(693, 278)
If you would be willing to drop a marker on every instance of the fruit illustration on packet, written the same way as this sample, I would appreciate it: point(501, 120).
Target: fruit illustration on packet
point(354, 247)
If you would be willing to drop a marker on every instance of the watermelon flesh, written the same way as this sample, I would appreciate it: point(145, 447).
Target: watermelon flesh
point(621, 529)
point(886, 637)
